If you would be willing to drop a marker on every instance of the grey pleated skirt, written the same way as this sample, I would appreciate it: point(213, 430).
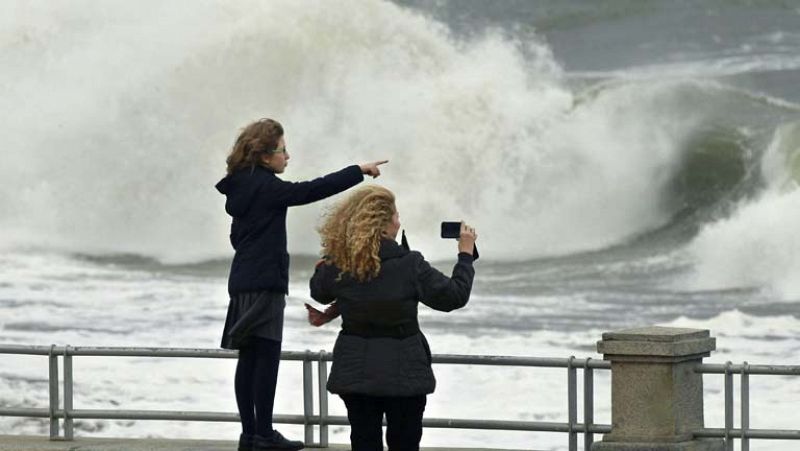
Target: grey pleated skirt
point(257, 314)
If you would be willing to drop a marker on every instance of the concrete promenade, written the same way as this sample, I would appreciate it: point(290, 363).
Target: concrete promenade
point(42, 443)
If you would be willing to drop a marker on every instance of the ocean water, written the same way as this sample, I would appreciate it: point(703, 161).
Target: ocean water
point(626, 163)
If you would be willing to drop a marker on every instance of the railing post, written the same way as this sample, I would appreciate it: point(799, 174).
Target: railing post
point(745, 406)
point(728, 406)
point(588, 405)
point(308, 398)
point(323, 400)
point(656, 395)
point(68, 426)
point(53, 381)
point(572, 403)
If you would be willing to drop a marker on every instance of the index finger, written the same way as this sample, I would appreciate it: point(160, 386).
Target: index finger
point(381, 162)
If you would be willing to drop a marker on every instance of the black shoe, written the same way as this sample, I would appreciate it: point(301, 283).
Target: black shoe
point(276, 442)
point(245, 442)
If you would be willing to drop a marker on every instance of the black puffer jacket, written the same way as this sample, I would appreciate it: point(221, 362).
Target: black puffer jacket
point(380, 350)
point(257, 199)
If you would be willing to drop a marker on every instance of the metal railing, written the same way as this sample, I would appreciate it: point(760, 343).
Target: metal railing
point(321, 419)
point(309, 419)
point(729, 433)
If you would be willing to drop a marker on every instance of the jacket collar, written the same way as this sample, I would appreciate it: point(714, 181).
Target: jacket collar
point(390, 249)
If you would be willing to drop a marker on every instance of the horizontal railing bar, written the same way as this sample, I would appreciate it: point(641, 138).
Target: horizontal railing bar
point(28, 350)
point(458, 423)
point(538, 426)
point(488, 360)
point(492, 360)
point(776, 370)
point(446, 423)
point(24, 412)
point(778, 434)
point(98, 414)
point(705, 368)
point(152, 352)
point(141, 352)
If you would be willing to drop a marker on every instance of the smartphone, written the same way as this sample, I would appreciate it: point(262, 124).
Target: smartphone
point(451, 229)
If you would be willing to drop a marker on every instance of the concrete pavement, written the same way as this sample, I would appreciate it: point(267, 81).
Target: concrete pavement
point(41, 443)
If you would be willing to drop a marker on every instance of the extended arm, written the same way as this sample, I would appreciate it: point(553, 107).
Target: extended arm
point(301, 193)
point(443, 293)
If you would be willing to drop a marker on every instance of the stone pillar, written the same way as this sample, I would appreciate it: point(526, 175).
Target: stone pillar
point(656, 397)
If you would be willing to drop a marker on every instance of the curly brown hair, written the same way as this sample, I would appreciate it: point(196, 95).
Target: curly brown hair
point(256, 140)
point(352, 229)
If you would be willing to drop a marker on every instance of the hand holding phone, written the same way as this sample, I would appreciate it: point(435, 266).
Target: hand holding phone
point(466, 239)
point(465, 235)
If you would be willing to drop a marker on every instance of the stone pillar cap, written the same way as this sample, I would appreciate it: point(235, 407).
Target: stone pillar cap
point(656, 333)
point(657, 341)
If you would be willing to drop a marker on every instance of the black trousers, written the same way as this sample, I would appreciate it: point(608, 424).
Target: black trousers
point(403, 419)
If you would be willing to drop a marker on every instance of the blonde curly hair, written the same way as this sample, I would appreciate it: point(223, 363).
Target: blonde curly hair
point(351, 231)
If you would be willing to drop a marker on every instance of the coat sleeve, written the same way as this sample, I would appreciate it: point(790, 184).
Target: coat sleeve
point(443, 293)
point(322, 283)
point(282, 193)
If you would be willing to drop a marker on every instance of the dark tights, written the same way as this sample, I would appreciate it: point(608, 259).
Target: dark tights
point(256, 378)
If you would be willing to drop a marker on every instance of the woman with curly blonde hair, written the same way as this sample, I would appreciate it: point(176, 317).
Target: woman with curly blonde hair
point(381, 359)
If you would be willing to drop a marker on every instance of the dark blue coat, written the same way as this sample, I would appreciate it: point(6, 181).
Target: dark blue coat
point(257, 201)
